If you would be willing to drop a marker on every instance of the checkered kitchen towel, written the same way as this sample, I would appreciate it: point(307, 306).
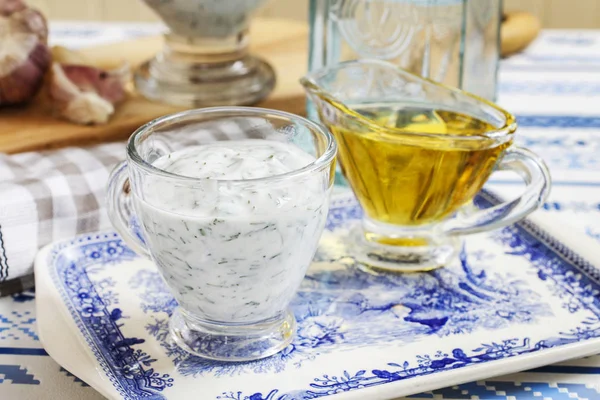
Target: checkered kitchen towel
point(48, 196)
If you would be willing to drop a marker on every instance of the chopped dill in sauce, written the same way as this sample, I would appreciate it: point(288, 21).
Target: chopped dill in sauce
point(248, 244)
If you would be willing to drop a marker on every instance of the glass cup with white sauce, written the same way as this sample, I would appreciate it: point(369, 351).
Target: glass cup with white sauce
point(230, 203)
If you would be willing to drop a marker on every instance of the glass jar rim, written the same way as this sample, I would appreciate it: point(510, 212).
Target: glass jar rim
point(235, 111)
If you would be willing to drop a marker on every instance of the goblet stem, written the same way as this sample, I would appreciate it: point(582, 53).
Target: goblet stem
point(207, 64)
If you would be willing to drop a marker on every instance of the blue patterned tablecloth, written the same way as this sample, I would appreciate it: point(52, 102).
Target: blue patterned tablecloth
point(553, 87)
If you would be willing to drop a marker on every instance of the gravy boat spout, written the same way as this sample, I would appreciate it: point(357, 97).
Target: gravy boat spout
point(339, 90)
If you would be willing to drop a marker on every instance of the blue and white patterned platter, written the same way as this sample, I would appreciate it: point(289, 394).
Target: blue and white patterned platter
point(515, 299)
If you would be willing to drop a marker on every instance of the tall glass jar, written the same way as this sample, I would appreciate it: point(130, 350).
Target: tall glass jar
point(455, 42)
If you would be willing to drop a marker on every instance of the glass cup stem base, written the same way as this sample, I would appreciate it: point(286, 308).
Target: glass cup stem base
point(232, 342)
point(205, 72)
point(404, 250)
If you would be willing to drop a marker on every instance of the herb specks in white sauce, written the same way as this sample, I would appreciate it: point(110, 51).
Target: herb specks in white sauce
point(247, 244)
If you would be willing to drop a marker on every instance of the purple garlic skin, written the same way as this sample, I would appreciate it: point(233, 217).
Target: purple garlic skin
point(8, 7)
point(24, 53)
point(107, 84)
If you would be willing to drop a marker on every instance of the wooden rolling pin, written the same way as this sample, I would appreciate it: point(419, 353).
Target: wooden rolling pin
point(518, 30)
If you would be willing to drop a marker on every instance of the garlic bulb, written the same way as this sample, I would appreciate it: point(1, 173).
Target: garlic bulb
point(8, 7)
point(24, 54)
point(84, 94)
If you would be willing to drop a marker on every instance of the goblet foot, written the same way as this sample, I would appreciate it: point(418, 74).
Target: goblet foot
point(245, 81)
point(405, 251)
point(232, 342)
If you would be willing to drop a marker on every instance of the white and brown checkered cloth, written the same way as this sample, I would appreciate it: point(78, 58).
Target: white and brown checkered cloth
point(48, 196)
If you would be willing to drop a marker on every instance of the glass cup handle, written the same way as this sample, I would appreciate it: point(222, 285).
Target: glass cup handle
point(534, 172)
point(120, 209)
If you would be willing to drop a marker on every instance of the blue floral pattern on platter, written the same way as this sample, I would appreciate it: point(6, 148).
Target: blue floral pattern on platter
point(340, 307)
point(94, 307)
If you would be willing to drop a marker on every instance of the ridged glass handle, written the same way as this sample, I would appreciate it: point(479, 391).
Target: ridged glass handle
point(120, 210)
point(534, 172)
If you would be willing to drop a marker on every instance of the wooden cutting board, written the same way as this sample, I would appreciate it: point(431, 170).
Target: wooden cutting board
point(283, 43)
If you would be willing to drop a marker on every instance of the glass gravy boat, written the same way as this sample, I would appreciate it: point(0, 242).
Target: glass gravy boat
point(416, 153)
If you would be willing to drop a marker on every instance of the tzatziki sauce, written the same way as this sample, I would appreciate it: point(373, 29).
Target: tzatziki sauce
point(234, 248)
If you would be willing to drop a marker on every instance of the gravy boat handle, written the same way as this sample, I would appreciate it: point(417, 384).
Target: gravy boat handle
point(120, 210)
point(536, 175)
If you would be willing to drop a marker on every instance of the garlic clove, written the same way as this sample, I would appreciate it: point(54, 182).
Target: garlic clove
point(85, 94)
point(61, 89)
point(88, 108)
point(108, 85)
